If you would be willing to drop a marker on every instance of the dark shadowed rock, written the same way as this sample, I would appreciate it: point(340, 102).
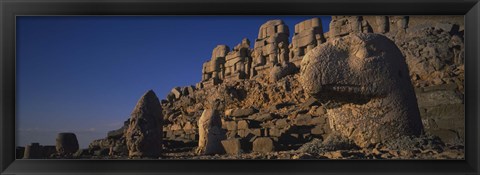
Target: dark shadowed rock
point(66, 143)
point(144, 134)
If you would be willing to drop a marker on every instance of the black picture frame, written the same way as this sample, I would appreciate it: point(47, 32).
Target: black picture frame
point(12, 8)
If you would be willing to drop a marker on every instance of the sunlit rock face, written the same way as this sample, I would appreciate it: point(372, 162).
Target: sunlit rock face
point(365, 79)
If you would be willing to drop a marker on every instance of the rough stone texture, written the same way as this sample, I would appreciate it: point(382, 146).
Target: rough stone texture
point(243, 112)
point(369, 73)
point(210, 133)
point(271, 46)
point(282, 70)
point(239, 61)
point(144, 134)
point(248, 78)
point(232, 146)
point(263, 145)
point(66, 143)
point(213, 70)
point(308, 34)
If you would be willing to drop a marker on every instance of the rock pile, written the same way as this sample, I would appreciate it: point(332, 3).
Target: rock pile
point(393, 76)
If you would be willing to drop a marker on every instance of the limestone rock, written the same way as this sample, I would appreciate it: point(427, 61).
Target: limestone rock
point(280, 71)
point(232, 146)
point(263, 145)
point(144, 134)
point(66, 143)
point(210, 133)
point(177, 91)
point(243, 112)
point(367, 75)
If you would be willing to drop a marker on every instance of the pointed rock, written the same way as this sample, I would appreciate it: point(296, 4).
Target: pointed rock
point(144, 134)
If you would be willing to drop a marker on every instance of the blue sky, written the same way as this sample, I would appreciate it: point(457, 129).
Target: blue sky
point(84, 74)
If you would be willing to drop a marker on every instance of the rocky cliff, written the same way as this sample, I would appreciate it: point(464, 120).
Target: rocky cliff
point(264, 107)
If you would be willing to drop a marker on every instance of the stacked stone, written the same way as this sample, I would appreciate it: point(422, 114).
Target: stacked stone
point(271, 46)
point(308, 34)
point(213, 70)
point(238, 62)
point(179, 131)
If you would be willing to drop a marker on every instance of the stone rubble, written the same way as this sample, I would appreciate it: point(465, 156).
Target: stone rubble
point(264, 103)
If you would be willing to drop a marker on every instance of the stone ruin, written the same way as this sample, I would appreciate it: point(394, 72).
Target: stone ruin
point(308, 34)
point(214, 70)
point(238, 62)
point(65, 147)
point(270, 48)
point(261, 115)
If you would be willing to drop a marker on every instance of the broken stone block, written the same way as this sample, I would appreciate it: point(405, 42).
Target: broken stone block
point(232, 146)
point(261, 117)
point(256, 132)
point(274, 132)
point(310, 102)
point(318, 120)
point(176, 91)
point(243, 112)
point(243, 124)
point(318, 130)
point(303, 119)
point(281, 123)
point(231, 125)
point(243, 132)
point(263, 145)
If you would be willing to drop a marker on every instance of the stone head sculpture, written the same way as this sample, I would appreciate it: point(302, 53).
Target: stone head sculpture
point(366, 76)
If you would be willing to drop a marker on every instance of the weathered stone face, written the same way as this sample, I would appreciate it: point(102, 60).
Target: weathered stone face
point(367, 75)
point(144, 134)
point(66, 143)
point(210, 133)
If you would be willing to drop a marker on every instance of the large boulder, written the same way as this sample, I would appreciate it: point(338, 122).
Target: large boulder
point(144, 133)
point(210, 133)
point(66, 143)
point(366, 78)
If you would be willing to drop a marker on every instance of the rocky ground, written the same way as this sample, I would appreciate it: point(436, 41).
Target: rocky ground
point(270, 114)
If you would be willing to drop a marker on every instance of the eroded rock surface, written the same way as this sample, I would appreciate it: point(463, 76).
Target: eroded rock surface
point(367, 76)
point(144, 134)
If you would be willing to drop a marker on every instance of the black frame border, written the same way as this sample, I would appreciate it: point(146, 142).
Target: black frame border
point(12, 8)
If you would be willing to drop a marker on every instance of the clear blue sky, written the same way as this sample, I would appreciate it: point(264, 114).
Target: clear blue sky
point(85, 74)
